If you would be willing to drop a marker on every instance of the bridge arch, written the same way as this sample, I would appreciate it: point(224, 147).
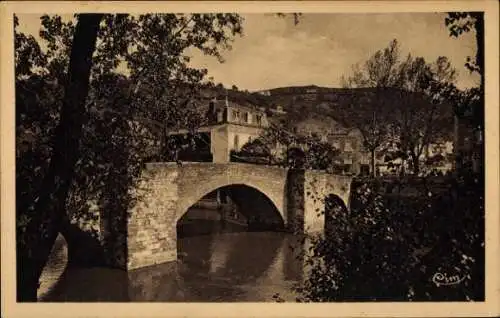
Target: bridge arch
point(185, 203)
point(335, 207)
point(167, 190)
point(248, 206)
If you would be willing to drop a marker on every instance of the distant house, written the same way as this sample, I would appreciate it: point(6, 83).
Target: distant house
point(235, 118)
point(353, 159)
point(229, 126)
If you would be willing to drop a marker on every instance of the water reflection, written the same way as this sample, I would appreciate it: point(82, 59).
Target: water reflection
point(245, 266)
point(55, 267)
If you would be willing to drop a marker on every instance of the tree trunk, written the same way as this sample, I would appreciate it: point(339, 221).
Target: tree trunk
point(415, 165)
point(372, 163)
point(35, 245)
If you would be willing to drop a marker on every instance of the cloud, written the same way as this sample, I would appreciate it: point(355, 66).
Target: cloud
point(322, 47)
point(275, 52)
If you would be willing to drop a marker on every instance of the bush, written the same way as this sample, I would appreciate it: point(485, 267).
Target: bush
point(424, 247)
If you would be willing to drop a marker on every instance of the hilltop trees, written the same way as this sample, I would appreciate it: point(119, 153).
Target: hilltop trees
point(369, 111)
point(409, 241)
point(423, 115)
point(403, 108)
point(118, 81)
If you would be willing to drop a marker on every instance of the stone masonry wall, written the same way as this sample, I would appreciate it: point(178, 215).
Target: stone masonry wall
point(219, 144)
point(317, 186)
point(295, 201)
point(152, 236)
point(167, 190)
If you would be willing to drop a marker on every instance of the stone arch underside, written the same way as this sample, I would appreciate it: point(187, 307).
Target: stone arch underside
point(184, 205)
point(260, 211)
point(269, 181)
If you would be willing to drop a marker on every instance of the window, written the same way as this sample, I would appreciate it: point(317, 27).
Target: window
point(211, 107)
point(348, 161)
point(245, 117)
point(236, 142)
point(236, 115)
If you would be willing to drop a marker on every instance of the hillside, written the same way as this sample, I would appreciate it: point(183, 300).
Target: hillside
point(319, 102)
point(303, 102)
point(307, 103)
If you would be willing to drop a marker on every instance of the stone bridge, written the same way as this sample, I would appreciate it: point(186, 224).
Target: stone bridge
point(168, 190)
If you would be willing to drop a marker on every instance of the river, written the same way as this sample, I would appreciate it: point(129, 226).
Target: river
point(219, 267)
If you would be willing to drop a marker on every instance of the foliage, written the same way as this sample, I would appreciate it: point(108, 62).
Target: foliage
point(469, 105)
point(394, 246)
point(254, 151)
point(140, 85)
point(256, 147)
point(294, 150)
point(406, 108)
point(34, 129)
point(463, 22)
point(47, 215)
point(320, 155)
point(369, 112)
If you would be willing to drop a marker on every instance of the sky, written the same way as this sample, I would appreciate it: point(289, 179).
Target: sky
point(274, 52)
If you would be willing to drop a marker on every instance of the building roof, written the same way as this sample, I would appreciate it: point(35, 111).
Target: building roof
point(233, 104)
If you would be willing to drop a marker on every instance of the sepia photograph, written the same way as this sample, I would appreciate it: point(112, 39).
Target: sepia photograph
point(231, 156)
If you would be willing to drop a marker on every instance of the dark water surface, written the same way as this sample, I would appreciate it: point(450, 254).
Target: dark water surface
point(242, 266)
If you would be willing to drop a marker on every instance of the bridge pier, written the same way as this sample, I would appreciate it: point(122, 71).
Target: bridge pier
point(307, 192)
point(295, 201)
point(318, 186)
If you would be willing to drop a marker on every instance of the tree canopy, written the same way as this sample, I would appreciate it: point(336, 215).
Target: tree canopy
point(406, 108)
point(139, 84)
